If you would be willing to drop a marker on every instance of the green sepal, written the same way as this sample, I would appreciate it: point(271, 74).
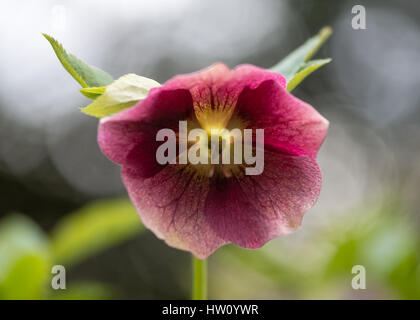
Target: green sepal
point(85, 75)
point(296, 66)
point(121, 94)
point(93, 92)
point(304, 71)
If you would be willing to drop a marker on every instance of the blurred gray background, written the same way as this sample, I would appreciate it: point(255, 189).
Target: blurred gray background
point(50, 163)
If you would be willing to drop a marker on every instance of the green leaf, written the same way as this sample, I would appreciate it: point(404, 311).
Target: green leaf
point(298, 60)
point(121, 94)
point(94, 228)
point(85, 75)
point(93, 92)
point(305, 71)
point(24, 259)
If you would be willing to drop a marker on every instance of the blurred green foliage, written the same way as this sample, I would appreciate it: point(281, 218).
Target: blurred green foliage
point(94, 227)
point(24, 258)
point(317, 267)
point(385, 243)
point(27, 254)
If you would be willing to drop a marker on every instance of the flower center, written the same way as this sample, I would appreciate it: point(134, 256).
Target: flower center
point(214, 119)
point(221, 132)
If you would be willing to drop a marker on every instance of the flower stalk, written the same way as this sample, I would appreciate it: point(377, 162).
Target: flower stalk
point(199, 287)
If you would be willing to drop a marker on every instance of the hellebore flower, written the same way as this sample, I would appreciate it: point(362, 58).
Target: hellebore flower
point(199, 208)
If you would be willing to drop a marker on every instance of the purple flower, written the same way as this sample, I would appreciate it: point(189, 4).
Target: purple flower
point(199, 208)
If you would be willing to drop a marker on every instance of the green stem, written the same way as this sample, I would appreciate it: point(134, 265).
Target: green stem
point(199, 279)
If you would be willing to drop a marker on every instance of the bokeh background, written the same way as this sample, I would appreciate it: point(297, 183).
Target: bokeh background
point(62, 201)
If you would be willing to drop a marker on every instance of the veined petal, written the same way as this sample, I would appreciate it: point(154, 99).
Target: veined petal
point(171, 204)
point(215, 90)
point(251, 76)
point(129, 137)
point(251, 210)
point(289, 123)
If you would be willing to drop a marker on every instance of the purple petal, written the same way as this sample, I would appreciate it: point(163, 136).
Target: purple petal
point(171, 204)
point(129, 137)
point(289, 124)
point(251, 210)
